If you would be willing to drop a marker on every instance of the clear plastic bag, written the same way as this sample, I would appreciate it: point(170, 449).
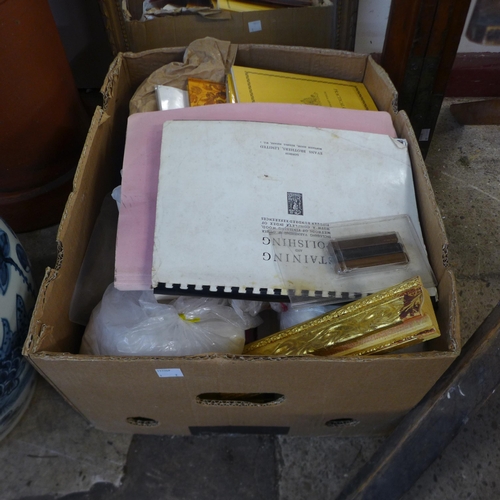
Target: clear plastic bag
point(135, 324)
point(248, 311)
point(290, 316)
point(97, 270)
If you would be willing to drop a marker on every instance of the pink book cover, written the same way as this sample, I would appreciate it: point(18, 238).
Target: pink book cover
point(141, 163)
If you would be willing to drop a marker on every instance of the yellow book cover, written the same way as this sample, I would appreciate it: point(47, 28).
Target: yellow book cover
point(237, 6)
point(259, 85)
point(203, 92)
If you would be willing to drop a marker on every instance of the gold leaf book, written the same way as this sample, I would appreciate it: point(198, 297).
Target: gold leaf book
point(259, 85)
point(393, 318)
point(204, 92)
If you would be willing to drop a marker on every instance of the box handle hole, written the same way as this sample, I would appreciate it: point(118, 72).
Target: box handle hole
point(143, 421)
point(240, 399)
point(342, 422)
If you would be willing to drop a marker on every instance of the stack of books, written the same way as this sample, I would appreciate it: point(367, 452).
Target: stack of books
point(209, 193)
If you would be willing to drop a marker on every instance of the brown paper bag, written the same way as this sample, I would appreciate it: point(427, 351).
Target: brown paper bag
point(206, 58)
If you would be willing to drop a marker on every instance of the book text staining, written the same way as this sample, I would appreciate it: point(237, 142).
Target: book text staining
point(295, 242)
point(293, 227)
point(291, 149)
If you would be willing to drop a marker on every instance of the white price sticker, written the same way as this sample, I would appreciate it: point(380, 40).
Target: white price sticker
point(425, 133)
point(169, 372)
point(254, 26)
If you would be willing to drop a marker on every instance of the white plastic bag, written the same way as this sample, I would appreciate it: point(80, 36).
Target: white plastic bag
point(290, 316)
point(135, 324)
point(248, 311)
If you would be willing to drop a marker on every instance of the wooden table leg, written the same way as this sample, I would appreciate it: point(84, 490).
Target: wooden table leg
point(420, 45)
point(426, 431)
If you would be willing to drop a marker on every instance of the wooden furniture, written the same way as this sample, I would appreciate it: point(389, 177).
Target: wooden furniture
point(421, 42)
point(484, 112)
point(426, 431)
point(483, 28)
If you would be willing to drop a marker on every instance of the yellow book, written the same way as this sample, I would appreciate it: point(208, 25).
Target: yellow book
point(259, 85)
point(237, 6)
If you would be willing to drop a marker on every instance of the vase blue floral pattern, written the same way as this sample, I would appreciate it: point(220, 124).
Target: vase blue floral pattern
point(17, 299)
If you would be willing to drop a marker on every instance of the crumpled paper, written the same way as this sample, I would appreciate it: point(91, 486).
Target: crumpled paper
point(152, 9)
point(205, 8)
point(206, 58)
point(160, 8)
point(170, 10)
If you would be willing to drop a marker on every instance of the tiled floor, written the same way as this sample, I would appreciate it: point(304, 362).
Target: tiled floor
point(53, 452)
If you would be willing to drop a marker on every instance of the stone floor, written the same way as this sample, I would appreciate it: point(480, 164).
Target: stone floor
point(54, 453)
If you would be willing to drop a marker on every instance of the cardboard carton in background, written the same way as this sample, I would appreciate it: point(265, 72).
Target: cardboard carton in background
point(304, 395)
point(328, 27)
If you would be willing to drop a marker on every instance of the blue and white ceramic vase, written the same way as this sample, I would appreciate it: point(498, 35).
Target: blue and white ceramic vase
point(17, 299)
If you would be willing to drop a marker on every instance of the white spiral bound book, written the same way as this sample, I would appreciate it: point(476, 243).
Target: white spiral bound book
point(224, 185)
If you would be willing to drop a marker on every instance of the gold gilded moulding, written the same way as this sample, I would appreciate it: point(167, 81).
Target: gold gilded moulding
point(396, 317)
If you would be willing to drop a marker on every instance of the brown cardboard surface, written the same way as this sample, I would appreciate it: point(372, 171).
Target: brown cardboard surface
point(374, 391)
point(328, 26)
point(314, 391)
point(309, 26)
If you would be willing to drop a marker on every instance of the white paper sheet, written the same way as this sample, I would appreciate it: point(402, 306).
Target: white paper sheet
point(223, 185)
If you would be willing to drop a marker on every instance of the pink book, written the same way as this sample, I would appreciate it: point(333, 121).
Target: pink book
point(141, 163)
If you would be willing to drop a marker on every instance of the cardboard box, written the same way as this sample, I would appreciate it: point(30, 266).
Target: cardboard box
point(328, 27)
point(303, 396)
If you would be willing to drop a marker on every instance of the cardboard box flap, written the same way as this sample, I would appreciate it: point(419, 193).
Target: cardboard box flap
point(382, 89)
point(80, 212)
point(317, 62)
point(430, 216)
point(447, 314)
point(283, 26)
